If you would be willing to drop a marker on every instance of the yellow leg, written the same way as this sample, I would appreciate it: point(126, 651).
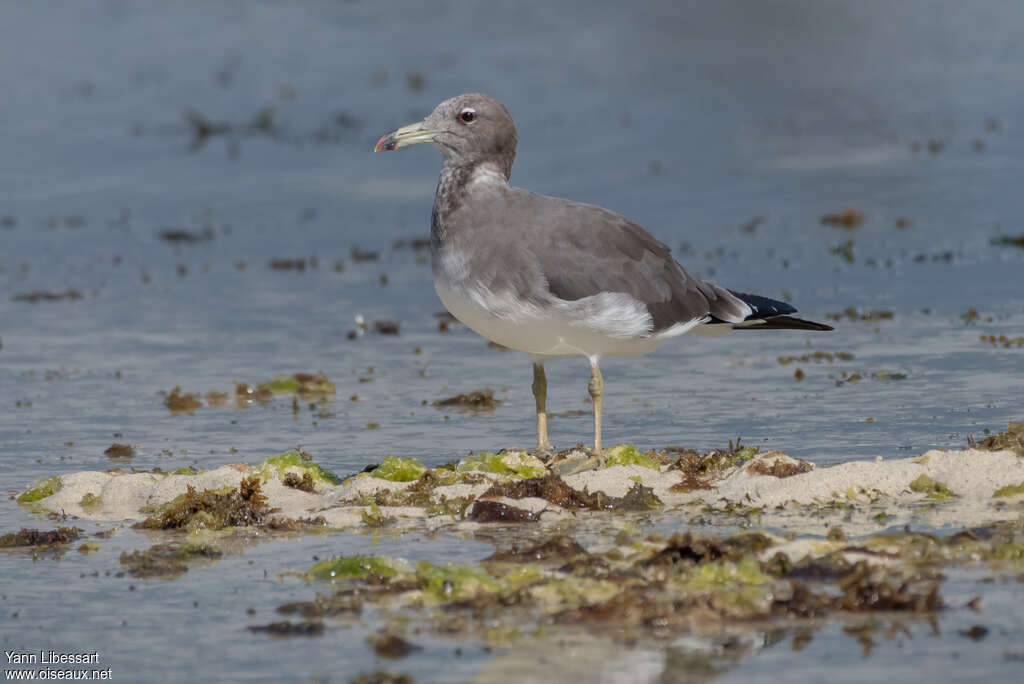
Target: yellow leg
point(540, 396)
point(596, 389)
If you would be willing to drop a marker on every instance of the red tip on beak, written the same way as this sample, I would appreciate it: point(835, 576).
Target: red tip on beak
point(386, 142)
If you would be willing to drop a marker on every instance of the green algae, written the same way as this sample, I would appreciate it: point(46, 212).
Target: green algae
point(739, 454)
point(300, 383)
point(573, 591)
point(1009, 490)
point(628, 454)
point(443, 476)
point(718, 574)
point(358, 567)
point(280, 385)
point(446, 583)
point(41, 489)
point(663, 587)
point(1010, 552)
point(376, 517)
point(518, 464)
point(88, 547)
point(395, 469)
point(90, 501)
point(932, 488)
point(294, 459)
point(502, 636)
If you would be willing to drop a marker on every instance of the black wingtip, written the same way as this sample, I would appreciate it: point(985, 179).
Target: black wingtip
point(764, 307)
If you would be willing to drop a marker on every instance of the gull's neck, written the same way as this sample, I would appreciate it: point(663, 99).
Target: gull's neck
point(456, 181)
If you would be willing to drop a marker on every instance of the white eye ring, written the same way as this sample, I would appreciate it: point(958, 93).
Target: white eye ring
point(467, 115)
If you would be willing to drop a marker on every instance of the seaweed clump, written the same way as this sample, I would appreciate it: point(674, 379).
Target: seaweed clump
point(848, 218)
point(297, 459)
point(1009, 490)
point(300, 383)
point(1009, 241)
point(689, 550)
point(554, 489)
point(777, 464)
point(287, 629)
point(120, 452)
point(932, 488)
point(388, 645)
point(628, 454)
point(213, 509)
point(179, 402)
point(496, 511)
point(27, 537)
point(304, 483)
point(395, 469)
point(512, 464)
point(1012, 439)
point(350, 567)
point(383, 677)
point(90, 501)
point(166, 561)
point(478, 401)
point(701, 471)
point(656, 587)
point(557, 549)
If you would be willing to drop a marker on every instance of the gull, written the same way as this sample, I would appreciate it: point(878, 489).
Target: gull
point(551, 277)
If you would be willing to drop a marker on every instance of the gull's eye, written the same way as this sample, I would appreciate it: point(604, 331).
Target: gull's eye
point(467, 115)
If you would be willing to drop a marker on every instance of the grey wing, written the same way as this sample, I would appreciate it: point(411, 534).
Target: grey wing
point(584, 250)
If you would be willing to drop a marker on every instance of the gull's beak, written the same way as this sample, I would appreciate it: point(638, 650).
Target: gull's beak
point(405, 136)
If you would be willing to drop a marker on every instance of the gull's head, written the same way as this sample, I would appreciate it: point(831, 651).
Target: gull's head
point(468, 129)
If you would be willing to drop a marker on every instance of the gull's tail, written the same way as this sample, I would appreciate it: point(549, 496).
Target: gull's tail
point(771, 314)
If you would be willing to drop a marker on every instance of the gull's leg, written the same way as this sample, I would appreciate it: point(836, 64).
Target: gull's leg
point(540, 396)
point(596, 389)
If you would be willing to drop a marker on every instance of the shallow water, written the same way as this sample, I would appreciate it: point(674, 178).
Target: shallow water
point(690, 118)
